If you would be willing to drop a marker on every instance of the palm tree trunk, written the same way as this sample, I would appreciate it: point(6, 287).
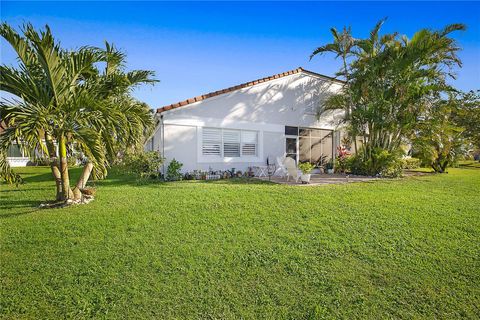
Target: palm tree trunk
point(66, 191)
point(82, 181)
point(52, 154)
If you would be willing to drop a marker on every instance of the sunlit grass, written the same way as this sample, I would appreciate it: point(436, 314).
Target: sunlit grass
point(404, 248)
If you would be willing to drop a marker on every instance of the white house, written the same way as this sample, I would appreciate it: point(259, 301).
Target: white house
point(244, 125)
point(16, 156)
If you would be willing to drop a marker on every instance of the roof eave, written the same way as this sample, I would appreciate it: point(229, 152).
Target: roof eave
point(243, 85)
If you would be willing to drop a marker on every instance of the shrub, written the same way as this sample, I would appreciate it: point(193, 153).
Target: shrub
point(306, 167)
point(173, 170)
point(381, 162)
point(411, 163)
point(43, 161)
point(143, 164)
point(343, 156)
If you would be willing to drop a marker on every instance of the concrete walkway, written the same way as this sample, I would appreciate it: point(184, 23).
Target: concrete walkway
point(321, 179)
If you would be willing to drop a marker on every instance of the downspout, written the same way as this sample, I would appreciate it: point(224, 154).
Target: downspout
point(162, 128)
point(334, 147)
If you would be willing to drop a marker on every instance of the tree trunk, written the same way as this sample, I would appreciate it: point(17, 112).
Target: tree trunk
point(52, 154)
point(66, 191)
point(82, 181)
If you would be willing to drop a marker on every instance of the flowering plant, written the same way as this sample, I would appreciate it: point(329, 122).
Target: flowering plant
point(342, 156)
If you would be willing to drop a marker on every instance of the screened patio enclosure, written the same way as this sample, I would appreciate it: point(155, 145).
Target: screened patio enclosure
point(309, 145)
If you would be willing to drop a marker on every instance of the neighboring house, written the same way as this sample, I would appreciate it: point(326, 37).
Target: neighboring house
point(247, 124)
point(16, 156)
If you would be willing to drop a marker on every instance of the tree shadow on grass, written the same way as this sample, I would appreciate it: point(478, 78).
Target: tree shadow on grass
point(7, 215)
point(10, 208)
point(469, 165)
point(19, 189)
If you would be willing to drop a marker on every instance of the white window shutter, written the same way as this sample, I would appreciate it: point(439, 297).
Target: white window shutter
point(249, 143)
point(211, 142)
point(231, 143)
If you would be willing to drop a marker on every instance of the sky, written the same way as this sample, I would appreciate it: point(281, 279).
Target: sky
point(199, 47)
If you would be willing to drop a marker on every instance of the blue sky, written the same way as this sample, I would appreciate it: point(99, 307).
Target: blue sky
point(199, 47)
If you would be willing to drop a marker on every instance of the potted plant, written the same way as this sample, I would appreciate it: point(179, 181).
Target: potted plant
point(329, 167)
point(306, 169)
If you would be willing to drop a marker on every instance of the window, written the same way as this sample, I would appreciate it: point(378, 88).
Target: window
point(229, 143)
point(14, 151)
point(249, 143)
point(291, 131)
point(315, 146)
point(212, 142)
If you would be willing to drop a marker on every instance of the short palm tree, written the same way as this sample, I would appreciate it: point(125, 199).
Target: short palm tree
point(62, 98)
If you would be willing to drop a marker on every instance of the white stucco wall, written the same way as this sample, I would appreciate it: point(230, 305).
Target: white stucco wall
point(18, 161)
point(266, 107)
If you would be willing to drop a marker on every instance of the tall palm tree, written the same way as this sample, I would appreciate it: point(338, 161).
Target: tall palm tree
point(62, 98)
point(390, 80)
point(342, 47)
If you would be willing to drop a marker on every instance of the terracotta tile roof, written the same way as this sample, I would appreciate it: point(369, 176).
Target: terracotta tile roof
point(240, 86)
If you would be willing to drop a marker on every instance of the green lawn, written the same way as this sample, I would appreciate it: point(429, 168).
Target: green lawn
point(387, 249)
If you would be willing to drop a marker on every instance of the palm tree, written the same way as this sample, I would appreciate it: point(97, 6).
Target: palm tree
point(62, 98)
point(342, 47)
point(390, 80)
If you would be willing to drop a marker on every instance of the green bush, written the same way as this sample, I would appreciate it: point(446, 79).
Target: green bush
point(411, 163)
point(381, 162)
point(343, 164)
point(43, 161)
point(143, 164)
point(306, 167)
point(173, 170)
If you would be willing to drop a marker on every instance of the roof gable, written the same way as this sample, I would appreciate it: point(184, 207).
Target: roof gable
point(241, 86)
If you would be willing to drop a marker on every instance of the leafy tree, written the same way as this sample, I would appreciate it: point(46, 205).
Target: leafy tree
point(467, 116)
point(390, 81)
point(69, 98)
point(143, 164)
point(438, 141)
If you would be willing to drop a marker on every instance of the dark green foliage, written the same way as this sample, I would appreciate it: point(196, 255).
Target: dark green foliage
point(342, 164)
point(173, 171)
point(143, 164)
point(467, 116)
point(439, 141)
point(380, 162)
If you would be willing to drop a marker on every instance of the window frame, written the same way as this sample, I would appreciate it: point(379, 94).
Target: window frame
point(205, 158)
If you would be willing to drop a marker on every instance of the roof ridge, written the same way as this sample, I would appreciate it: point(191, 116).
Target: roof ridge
point(240, 86)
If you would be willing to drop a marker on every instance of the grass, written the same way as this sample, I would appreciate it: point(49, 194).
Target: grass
point(405, 248)
point(469, 164)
